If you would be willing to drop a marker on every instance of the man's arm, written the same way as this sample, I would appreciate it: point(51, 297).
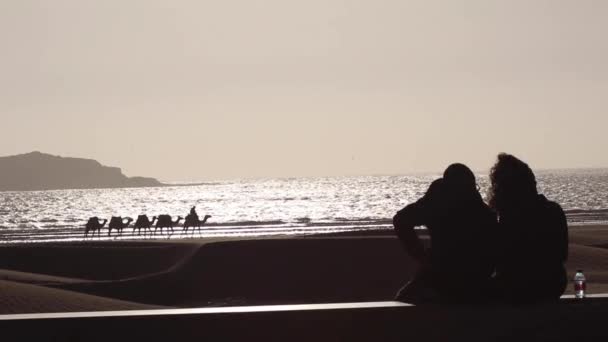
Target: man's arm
point(404, 222)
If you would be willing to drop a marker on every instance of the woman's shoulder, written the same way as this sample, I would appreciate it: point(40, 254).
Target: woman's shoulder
point(549, 205)
point(551, 210)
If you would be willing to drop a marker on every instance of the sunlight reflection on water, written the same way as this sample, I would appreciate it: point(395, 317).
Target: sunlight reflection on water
point(270, 206)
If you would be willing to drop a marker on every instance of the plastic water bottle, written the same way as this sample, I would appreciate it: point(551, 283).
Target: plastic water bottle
point(579, 284)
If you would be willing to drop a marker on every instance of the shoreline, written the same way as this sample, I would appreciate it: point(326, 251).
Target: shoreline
point(218, 232)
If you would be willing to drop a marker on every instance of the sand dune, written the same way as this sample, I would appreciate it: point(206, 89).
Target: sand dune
point(26, 298)
point(97, 260)
point(36, 278)
point(270, 271)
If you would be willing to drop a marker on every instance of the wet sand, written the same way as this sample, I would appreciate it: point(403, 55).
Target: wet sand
point(125, 275)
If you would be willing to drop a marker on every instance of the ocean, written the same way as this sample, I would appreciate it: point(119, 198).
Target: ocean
point(265, 207)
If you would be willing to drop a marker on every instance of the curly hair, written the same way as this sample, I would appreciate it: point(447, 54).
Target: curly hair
point(512, 182)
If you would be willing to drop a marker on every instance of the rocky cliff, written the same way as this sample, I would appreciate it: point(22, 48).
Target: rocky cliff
point(40, 171)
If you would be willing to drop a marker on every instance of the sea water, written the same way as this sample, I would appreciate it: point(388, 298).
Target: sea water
point(263, 207)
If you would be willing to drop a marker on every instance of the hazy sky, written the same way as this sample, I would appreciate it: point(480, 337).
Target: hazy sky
point(194, 90)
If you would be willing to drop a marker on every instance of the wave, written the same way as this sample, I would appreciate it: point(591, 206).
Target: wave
point(587, 216)
point(303, 220)
point(586, 211)
point(27, 225)
point(308, 222)
point(246, 223)
point(288, 198)
point(363, 220)
point(183, 184)
point(48, 220)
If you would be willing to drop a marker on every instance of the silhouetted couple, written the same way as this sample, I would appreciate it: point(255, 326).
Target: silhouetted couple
point(475, 257)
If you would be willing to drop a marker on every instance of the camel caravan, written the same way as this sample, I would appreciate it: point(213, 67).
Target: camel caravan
point(118, 223)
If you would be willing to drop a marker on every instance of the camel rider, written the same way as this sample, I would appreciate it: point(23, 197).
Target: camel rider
point(193, 213)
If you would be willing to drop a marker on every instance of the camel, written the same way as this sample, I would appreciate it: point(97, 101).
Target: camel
point(117, 222)
point(143, 222)
point(94, 225)
point(164, 221)
point(194, 222)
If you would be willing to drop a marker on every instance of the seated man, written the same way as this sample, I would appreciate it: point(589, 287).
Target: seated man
point(459, 265)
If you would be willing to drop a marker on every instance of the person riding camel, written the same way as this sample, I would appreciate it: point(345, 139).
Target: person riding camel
point(193, 213)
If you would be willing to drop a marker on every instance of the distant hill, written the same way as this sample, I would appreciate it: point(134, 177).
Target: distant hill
point(40, 171)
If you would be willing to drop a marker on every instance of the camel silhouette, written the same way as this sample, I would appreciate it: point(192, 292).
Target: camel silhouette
point(164, 221)
point(143, 222)
point(194, 222)
point(117, 222)
point(94, 225)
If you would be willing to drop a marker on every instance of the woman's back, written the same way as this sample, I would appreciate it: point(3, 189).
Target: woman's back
point(532, 237)
point(533, 249)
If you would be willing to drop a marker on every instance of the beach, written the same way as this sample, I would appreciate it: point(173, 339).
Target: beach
point(203, 272)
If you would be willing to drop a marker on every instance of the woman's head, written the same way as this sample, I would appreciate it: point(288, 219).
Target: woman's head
point(512, 182)
point(435, 190)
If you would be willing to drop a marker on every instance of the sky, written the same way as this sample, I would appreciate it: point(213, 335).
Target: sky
point(197, 90)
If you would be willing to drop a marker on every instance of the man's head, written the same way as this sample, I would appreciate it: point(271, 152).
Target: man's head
point(460, 179)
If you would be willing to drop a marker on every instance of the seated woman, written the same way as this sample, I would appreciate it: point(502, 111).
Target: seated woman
point(459, 265)
point(532, 238)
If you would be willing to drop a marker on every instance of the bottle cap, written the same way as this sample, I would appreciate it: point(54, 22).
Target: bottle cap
point(579, 271)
